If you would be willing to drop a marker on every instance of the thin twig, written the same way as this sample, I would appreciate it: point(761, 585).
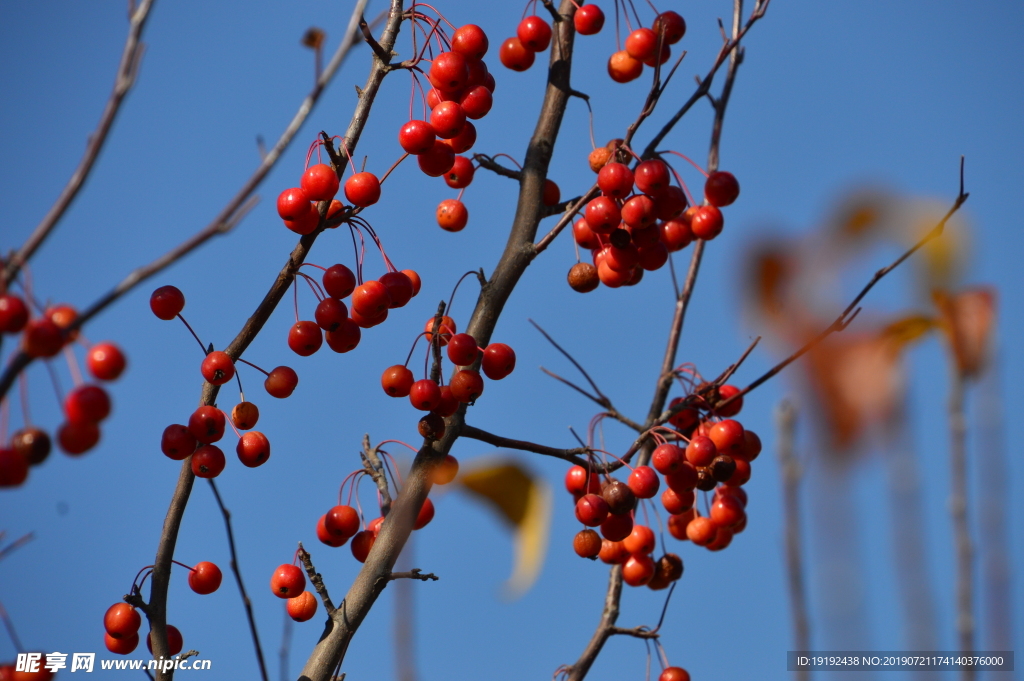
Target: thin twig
point(238, 578)
point(574, 455)
point(604, 399)
point(785, 420)
point(375, 469)
point(16, 544)
point(9, 625)
point(414, 573)
point(317, 581)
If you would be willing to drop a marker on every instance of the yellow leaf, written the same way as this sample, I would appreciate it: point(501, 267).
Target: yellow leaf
point(902, 332)
point(523, 501)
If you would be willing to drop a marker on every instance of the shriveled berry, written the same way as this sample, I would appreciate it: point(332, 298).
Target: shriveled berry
point(33, 444)
point(619, 496)
point(583, 277)
point(586, 544)
point(467, 386)
point(431, 427)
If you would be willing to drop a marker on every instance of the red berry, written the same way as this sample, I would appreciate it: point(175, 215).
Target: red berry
point(433, 423)
point(437, 160)
point(683, 479)
point(425, 515)
point(361, 545)
point(675, 28)
point(13, 467)
point(217, 368)
point(397, 380)
point(446, 329)
point(13, 314)
point(281, 382)
point(667, 458)
point(588, 20)
point(105, 361)
point(721, 188)
point(447, 119)
point(551, 193)
point(577, 482)
point(623, 68)
point(514, 55)
point(640, 540)
point(613, 552)
point(371, 298)
point(615, 180)
point(416, 137)
point(707, 222)
point(726, 511)
point(476, 102)
point(677, 502)
point(701, 531)
point(449, 71)
point(653, 257)
point(208, 461)
point(204, 578)
point(461, 174)
point(362, 189)
point(292, 203)
point(724, 393)
point(586, 544)
point(320, 182)
point(326, 537)
point(253, 449)
point(288, 581)
point(339, 282)
point(591, 510)
point(638, 569)
point(677, 524)
point(639, 212)
point(674, 673)
point(245, 415)
point(478, 75)
point(87, 404)
point(425, 395)
point(642, 44)
point(644, 482)
point(727, 436)
point(63, 316)
point(655, 59)
point(302, 607)
point(177, 442)
point(305, 338)
point(617, 527)
point(306, 223)
point(364, 322)
point(701, 451)
point(534, 33)
point(41, 338)
point(723, 537)
point(741, 475)
point(462, 349)
point(452, 215)
point(414, 279)
point(174, 641)
point(602, 215)
point(670, 203)
point(499, 361)
point(122, 621)
point(167, 302)
point(652, 177)
point(33, 444)
point(330, 314)
point(119, 646)
point(78, 438)
point(342, 521)
point(676, 235)
point(470, 41)
point(206, 424)
point(467, 386)
point(751, 447)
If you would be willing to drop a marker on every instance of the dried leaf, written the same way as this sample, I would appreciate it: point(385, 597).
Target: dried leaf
point(313, 38)
point(968, 319)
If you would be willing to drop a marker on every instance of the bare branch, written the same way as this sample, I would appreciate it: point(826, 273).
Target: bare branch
point(415, 573)
point(16, 544)
point(317, 581)
point(785, 419)
point(574, 455)
point(375, 469)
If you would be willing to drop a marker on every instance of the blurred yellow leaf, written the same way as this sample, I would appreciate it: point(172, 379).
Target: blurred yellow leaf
point(523, 501)
point(902, 332)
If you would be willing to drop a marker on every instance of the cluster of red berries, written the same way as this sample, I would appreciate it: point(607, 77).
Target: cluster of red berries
point(289, 582)
point(497, 361)
point(643, 45)
point(340, 324)
point(84, 407)
point(631, 232)
point(716, 456)
point(297, 206)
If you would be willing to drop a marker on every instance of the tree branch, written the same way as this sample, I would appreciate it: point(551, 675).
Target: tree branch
point(575, 455)
point(415, 573)
point(317, 581)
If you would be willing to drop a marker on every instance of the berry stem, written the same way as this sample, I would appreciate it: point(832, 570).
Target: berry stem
point(178, 562)
point(412, 350)
point(25, 414)
point(687, 159)
point(73, 368)
point(192, 331)
point(260, 369)
point(452, 297)
point(395, 164)
point(56, 384)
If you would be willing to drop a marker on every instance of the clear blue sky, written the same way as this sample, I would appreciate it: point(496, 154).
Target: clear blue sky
point(831, 96)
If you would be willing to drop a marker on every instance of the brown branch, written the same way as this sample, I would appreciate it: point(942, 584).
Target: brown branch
point(608, 617)
point(238, 579)
point(414, 573)
point(727, 374)
point(16, 544)
point(636, 632)
point(127, 70)
point(575, 455)
point(560, 207)
point(566, 219)
point(11, 633)
point(375, 469)
point(172, 523)
point(785, 419)
point(489, 163)
point(317, 581)
point(371, 41)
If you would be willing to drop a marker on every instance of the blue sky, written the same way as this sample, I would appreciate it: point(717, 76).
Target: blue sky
point(831, 96)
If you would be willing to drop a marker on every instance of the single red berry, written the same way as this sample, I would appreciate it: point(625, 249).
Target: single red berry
point(425, 515)
point(462, 142)
point(452, 215)
point(623, 68)
point(447, 119)
point(253, 449)
point(683, 479)
point(644, 482)
point(63, 316)
point(724, 393)
point(613, 552)
point(642, 44)
point(436, 96)
point(425, 395)
point(204, 578)
point(667, 458)
point(514, 55)
point(13, 467)
point(623, 259)
point(586, 544)
point(305, 338)
point(461, 174)
point(41, 338)
point(302, 607)
point(534, 33)
point(217, 368)
point(707, 222)
point(467, 386)
point(676, 235)
point(292, 203)
point(670, 203)
point(552, 193)
point(674, 673)
point(361, 545)
point(414, 279)
point(288, 581)
point(640, 540)
point(591, 510)
point(437, 160)
point(652, 258)
point(362, 189)
point(118, 646)
point(330, 314)
point(208, 461)
point(462, 349)
point(588, 20)
point(675, 28)
point(652, 177)
point(177, 442)
point(499, 361)
point(281, 382)
point(727, 436)
point(167, 302)
point(13, 314)
point(677, 502)
point(206, 424)
point(367, 322)
point(615, 180)
point(701, 531)
point(449, 71)
point(751, 447)
point(578, 482)
point(371, 298)
point(122, 621)
point(584, 235)
point(478, 75)
point(677, 524)
point(339, 281)
point(470, 41)
point(87, 404)
point(245, 415)
point(638, 569)
point(446, 329)
point(727, 511)
point(639, 212)
point(174, 641)
point(105, 361)
point(617, 527)
point(397, 380)
point(445, 471)
point(320, 182)
point(345, 338)
point(325, 536)
point(33, 444)
point(416, 137)
point(305, 223)
point(721, 188)
point(476, 102)
point(701, 451)
point(342, 521)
